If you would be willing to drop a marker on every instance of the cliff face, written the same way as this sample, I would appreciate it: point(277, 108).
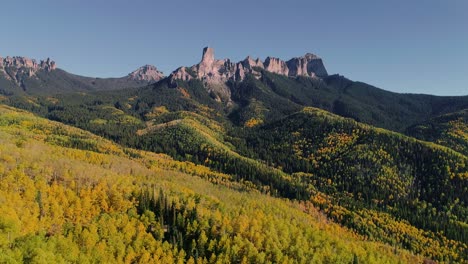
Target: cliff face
point(18, 68)
point(308, 65)
point(277, 66)
point(215, 73)
point(23, 62)
point(210, 70)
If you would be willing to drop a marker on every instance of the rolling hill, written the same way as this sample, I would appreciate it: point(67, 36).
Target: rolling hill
point(449, 130)
point(70, 196)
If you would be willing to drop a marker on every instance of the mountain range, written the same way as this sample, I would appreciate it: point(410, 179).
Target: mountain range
point(24, 75)
point(289, 85)
point(388, 167)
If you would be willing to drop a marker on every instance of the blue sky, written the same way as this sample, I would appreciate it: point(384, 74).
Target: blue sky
point(403, 46)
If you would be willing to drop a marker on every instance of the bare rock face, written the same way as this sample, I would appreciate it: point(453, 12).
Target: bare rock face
point(48, 65)
point(182, 73)
point(213, 71)
point(250, 63)
point(276, 65)
point(18, 68)
point(240, 71)
point(23, 62)
point(308, 65)
point(207, 62)
point(216, 73)
point(147, 73)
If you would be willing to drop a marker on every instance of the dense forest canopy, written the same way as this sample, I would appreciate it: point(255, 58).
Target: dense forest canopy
point(289, 170)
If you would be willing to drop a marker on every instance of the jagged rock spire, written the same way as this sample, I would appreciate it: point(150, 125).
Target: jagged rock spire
point(212, 71)
point(208, 55)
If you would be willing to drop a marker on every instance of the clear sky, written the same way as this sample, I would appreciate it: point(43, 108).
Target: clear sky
point(400, 45)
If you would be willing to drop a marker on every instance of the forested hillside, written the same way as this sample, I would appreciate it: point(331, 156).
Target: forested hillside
point(382, 185)
point(277, 96)
point(449, 130)
point(320, 132)
point(70, 196)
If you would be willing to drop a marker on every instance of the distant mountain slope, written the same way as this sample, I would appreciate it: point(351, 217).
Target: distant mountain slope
point(281, 95)
point(19, 75)
point(246, 90)
point(273, 88)
point(71, 197)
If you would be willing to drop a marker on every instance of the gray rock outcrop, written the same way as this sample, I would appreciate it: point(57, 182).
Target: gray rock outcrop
point(215, 73)
point(277, 66)
point(308, 65)
point(210, 70)
point(147, 73)
point(16, 68)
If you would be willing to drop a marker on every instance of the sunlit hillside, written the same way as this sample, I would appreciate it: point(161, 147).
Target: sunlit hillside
point(68, 196)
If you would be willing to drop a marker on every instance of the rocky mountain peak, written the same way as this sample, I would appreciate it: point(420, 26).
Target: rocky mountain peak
point(311, 56)
point(215, 73)
point(208, 56)
point(17, 68)
point(208, 66)
point(146, 73)
point(249, 63)
point(276, 65)
point(308, 65)
point(23, 62)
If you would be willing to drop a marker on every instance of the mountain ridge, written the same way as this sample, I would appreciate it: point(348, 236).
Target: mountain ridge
point(211, 69)
point(24, 75)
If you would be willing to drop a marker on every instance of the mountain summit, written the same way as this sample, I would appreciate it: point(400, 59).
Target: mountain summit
point(146, 73)
point(17, 68)
point(23, 62)
point(216, 73)
point(212, 70)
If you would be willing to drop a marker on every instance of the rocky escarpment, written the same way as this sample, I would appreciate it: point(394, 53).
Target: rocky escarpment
point(147, 73)
point(18, 68)
point(309, 65)
point(208, 70)
point(277, 66)
point(213, 71)
point(214, 74)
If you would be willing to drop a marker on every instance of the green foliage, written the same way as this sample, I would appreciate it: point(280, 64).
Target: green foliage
point(450, 130)
point(376, 182)
point(114, 205)
point(363, 167)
